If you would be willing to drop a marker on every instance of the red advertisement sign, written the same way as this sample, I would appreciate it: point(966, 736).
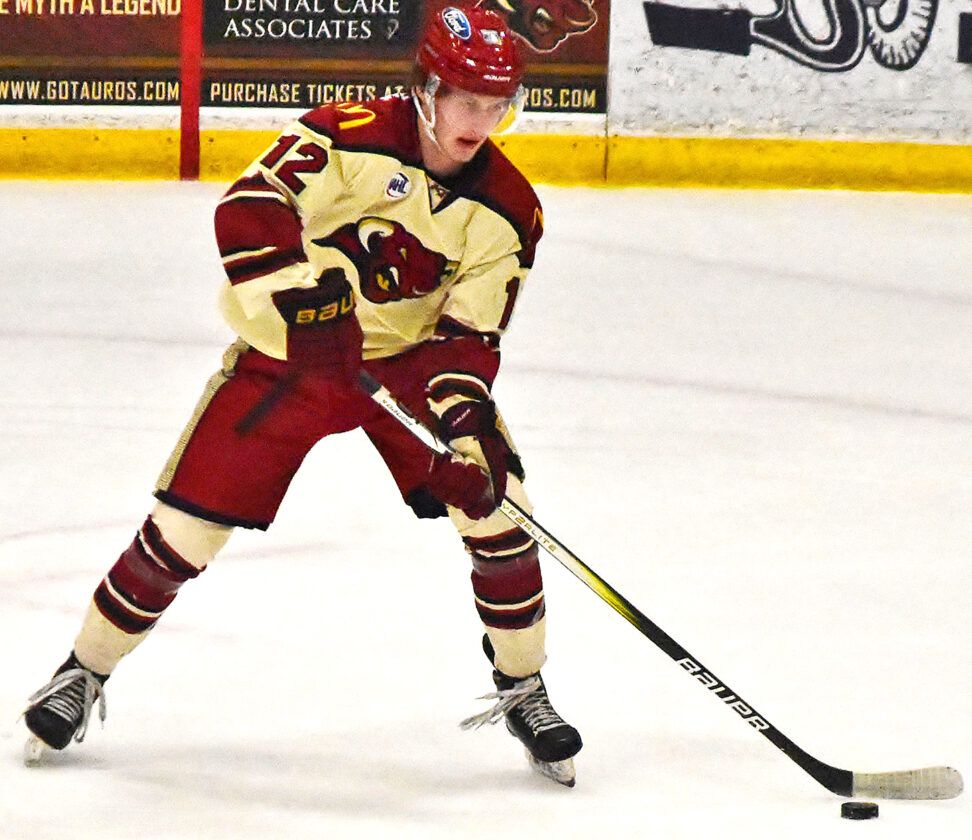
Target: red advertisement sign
point(304, 52)
point(278, 53)
point(89, 52)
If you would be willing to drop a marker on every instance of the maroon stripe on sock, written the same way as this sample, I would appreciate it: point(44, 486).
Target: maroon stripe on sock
point(141, 582)
point(506, 602)
point(491, 565)
point(512, 619)
point(511, 588)
point(526, 561)
point(504, 541)
point(140, 599)
point(508, 582)
point(148, 583)
point(116, 613)
point(173, 561)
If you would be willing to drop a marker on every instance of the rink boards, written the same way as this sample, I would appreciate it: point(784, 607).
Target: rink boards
point(128, 153)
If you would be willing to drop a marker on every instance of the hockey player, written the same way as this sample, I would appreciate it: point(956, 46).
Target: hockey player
point(391, 236)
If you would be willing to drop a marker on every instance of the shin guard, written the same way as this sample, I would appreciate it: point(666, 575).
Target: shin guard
point(143, 582)
point(509, 597)
point(506, 579)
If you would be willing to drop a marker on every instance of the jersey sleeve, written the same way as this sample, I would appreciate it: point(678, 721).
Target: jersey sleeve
point(491, 276)
point(480, 304)
point(259, 224)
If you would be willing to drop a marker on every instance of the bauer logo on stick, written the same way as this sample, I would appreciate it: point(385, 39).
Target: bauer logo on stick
point(457, 22)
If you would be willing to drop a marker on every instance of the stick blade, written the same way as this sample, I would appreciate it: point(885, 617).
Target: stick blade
point(926, 783)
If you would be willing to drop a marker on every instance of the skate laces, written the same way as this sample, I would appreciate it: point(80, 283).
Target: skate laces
point(538, 713)
point(527, 695)
point(71, 695)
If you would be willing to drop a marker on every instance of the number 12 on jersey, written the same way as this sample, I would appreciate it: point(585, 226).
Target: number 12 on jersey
point(306, 159)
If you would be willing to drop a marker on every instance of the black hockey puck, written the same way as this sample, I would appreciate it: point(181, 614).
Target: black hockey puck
point(859, 810)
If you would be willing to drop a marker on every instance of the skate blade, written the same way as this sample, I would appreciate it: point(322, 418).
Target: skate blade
point(34, 750)
point(561, 772)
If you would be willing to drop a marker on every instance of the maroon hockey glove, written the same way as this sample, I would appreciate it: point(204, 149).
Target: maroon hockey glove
point(461, 484)
point(471, 427)
point(323, 336)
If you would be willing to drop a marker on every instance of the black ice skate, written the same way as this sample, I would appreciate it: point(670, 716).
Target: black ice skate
point(551, 743)
point(59, 712)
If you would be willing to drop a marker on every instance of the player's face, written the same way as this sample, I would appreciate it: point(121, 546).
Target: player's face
point(463, 122)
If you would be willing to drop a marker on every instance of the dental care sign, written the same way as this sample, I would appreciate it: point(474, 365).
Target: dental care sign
point(278, 53)
point(304, 52)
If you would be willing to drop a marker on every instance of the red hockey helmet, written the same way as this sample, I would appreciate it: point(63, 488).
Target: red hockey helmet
point(472, 49)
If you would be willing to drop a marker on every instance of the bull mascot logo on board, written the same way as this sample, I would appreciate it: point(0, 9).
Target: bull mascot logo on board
point(392, 263)
point(543, 24)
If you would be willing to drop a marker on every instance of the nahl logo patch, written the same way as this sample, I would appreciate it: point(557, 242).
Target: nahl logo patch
point(457, 22)
point(398, 186)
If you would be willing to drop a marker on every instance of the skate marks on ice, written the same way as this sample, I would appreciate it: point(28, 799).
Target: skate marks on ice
point(358, 781)
point(747, 488)
point(753, 272)
point(744, 392)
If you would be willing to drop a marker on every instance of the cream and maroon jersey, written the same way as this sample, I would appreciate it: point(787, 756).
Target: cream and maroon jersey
point(344, 186)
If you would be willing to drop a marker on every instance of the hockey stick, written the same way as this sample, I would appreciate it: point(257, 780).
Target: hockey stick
point(926, 783)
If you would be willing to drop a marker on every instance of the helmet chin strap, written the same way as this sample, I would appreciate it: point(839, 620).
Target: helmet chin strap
point(428, 122)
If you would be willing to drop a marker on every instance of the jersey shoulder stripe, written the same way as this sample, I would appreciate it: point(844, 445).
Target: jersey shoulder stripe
point(384, 126)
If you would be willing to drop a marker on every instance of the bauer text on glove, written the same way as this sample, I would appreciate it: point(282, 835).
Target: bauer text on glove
point(323, 335)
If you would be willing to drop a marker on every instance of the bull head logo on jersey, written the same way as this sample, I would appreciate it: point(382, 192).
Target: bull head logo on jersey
point(545, 23)
point(392, 263)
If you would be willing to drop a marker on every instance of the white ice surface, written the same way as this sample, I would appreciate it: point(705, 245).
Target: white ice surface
point(751, 412)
